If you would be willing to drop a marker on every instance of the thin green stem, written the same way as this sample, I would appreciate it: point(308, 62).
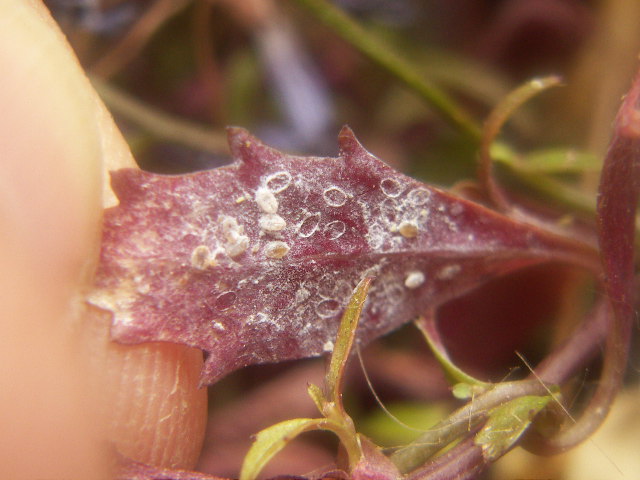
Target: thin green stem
point(462, 421)
point(492, 126)
point(384, 57)
point(161, 124)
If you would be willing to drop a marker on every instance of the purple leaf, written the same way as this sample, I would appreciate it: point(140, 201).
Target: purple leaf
point(254, 262)
point(140, 471)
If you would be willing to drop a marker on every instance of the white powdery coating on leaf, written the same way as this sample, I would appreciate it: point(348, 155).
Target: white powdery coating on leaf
point(335, 197)
point(266, 200)
point(309, 225)
point(305, 231)
point(278, 182)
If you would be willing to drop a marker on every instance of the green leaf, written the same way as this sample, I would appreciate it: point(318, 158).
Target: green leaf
point(271, 440)
point(315, 392)
point(507, 423)
point(344, 341)
point(454, 374)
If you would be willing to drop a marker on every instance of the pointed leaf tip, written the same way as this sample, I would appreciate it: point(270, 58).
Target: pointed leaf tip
point(346, 132)
point(128, 184)
point(237, 135)
point(244, 146)
point(271, 440)
point(345, 338)
point(349, 145)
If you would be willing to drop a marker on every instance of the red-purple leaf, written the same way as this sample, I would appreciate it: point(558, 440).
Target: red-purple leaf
point(140, 471)
point(255, 261)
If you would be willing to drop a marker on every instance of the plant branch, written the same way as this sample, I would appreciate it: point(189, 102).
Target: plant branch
point(578, 348)
point(617, 203)
point(555, 369)
point(159, 123)
point(462, 421)
point(132, 43)
point(385, 58)
point(492, 127)
point(462, 462)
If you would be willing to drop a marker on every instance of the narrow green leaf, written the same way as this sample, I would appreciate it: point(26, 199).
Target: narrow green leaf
point(316, 394)
point(454, 374)
point(344, 341)
point(271, 440)
point(507, 423)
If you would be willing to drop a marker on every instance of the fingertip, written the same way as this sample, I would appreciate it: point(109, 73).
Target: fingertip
point(156, 412)
point(57, 139)
point(50, 222)
point(164, 422)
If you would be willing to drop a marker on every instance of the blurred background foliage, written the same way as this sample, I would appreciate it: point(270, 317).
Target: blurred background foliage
point(175, 73)
point(272, 67)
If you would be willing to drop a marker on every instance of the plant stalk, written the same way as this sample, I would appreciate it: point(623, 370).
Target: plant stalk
point(160, 124)
point(385, 58)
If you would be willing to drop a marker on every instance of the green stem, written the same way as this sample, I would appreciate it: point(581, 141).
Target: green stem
point(160, 124)
point(462, 421)
point(492, 126)
point(557, 191)
point(384, 57)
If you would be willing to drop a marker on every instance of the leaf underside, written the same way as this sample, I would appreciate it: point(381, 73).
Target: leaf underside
point(254, 262)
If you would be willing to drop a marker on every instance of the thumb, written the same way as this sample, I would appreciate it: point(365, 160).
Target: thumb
point(55, 138)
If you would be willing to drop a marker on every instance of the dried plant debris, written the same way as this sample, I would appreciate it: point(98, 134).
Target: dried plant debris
point(254, 262)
